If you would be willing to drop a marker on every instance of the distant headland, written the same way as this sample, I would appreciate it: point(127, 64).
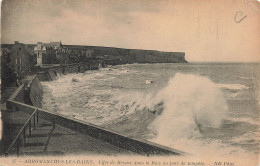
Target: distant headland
point(20, 59)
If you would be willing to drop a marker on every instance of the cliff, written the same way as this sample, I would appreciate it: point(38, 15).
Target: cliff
point(122, 55)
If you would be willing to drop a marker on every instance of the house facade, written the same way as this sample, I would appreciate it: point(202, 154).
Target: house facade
point(47, 53)
point(21, 58)
point(40, 50)
point(7, 72)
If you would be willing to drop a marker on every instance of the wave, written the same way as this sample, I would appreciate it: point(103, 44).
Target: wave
point(177, 114)
point(148, 81)
point(190, 102)
point(233, 86)
point(75, 80)
point(246, 78)
point(247, 120)
point(247, 138)
point(124, 71)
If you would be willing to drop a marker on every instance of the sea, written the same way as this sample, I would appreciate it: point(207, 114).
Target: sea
point(198, 108)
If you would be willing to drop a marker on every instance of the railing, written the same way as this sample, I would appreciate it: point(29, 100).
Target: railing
point(72, 64)
point(16, 93)
point(50, 65)
point(28, 124)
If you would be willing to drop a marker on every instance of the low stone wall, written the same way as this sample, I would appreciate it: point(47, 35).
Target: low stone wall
point(34, 89)
point(51, 73)
point(72, 69)
point(18, 95)
point(36, 92)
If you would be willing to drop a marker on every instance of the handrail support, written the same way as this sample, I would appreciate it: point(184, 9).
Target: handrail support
point(24, 137)
point(17, 147)
point(22, 131)
point(30, 127)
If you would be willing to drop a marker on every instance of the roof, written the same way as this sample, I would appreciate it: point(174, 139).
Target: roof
point(18, 45)
point(30, 51)
point(58, 44)
point(5, 50)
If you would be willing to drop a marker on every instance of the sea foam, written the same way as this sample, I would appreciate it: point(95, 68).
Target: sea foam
point(191, 102)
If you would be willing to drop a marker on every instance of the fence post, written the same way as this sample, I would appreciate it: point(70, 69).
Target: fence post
point(33, 121)
point(30, 127)
point(24, 137)
point(37, 116)
point(17, 147)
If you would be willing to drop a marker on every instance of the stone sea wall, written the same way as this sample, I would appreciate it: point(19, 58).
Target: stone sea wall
point(36, 92)
point(51, 73)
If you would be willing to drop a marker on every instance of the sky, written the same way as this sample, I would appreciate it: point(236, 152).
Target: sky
point(206, 30)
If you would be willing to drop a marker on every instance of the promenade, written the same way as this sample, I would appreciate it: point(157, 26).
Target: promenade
point(50, 139)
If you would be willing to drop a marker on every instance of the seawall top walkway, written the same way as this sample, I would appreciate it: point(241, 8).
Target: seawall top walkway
point(49, 139)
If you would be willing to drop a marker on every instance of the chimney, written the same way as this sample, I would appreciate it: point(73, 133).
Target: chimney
point(16, 42)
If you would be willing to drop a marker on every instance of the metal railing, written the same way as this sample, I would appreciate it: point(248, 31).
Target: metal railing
point(28, 124)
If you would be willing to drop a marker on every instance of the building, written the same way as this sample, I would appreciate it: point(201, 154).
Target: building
point(7, 72)
point(75, 55)
point(89, 53)
point(47, 53)
point(63, 54)
point(40, 50)
point(21, 58)
point(56, 45)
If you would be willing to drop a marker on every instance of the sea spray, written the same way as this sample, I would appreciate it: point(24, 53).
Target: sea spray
point(183, 108)
point(191, 102)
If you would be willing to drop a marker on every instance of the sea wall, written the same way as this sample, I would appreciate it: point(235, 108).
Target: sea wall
point(33, 87)
point(51, 73)
point(18, 94)
point(36, 92)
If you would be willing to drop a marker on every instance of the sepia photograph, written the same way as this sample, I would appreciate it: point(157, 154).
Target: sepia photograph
point(130, 82)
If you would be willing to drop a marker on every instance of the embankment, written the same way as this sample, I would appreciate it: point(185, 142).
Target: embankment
point(50, 73)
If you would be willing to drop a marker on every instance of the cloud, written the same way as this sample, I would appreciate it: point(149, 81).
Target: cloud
point(205, 30)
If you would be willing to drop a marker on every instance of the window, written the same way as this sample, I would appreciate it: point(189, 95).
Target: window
point(16, 61)
point(20, 60)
